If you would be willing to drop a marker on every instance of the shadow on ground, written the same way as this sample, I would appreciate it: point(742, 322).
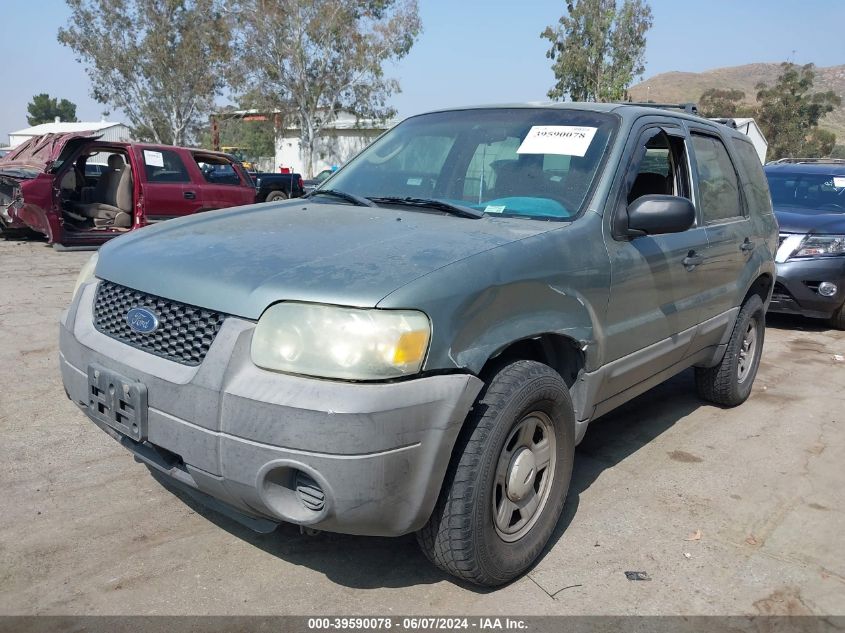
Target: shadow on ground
point(371, 562)
point(796, 323)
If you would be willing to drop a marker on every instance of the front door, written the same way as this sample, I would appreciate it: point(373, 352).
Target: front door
point(656, 280)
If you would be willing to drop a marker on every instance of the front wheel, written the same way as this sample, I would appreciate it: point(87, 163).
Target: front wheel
point(507, 483)
point(729, 383)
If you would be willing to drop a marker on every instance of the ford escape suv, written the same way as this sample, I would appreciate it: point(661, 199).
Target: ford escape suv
point(809, 201)
point(419, 345)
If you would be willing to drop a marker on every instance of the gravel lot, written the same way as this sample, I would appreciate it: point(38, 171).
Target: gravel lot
point(86, 530)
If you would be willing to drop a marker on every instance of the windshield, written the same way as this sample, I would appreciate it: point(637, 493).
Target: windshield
point(537, 163)
point(807, 192)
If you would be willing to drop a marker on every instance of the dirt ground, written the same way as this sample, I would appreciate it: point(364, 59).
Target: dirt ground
point(86, 530)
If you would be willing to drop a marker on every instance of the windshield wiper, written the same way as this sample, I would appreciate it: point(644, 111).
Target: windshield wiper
point(441, 205)
point(349, 197)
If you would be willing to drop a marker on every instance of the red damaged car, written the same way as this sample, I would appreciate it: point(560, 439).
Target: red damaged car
point(79, 191)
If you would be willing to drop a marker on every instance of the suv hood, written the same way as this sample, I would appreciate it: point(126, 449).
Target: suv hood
point(239, 261)
point(801, 220)
point(40, 152)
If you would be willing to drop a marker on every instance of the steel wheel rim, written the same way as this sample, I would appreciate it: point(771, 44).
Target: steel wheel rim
point(747, 351)
point(519, 496)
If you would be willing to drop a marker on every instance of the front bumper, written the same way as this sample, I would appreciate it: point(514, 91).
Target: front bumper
point(245, 436)
point(797, 282)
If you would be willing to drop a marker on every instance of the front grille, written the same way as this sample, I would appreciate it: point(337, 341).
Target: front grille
point(184, 332)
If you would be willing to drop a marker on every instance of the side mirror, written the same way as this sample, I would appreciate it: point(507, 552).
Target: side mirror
point(656, 214)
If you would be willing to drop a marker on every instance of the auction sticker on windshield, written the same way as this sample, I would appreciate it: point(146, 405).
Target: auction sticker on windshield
point(568, 140)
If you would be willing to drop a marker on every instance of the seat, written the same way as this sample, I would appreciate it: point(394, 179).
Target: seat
point(111, 203)
point(648, 183)
point(521, 177)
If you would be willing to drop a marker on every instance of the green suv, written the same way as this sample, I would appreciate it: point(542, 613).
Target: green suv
point(420, 344)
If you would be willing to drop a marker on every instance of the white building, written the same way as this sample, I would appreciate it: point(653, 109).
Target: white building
point(109, 131)
point(339, 141)
point(750, 128)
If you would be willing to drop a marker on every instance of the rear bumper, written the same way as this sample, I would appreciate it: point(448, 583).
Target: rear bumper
point(797, 282)
point(245, 436)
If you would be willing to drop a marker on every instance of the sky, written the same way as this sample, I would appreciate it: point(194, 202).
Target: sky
point(471, 51)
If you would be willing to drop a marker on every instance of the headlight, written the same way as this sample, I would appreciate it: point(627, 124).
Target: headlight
point(337, 342)
point(86, 274)
point(821, 246)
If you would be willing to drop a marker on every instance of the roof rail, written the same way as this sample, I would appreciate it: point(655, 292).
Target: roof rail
point(689, 108)
point(730, 122)
point(825, 161)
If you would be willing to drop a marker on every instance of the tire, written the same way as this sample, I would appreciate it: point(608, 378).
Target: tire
point(729, 383)
point(275, 196)
point(463, 536)
point(837, 320)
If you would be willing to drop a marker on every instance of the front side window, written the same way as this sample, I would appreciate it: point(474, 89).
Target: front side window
point(662, 167)
point(521, 162)
point(164, 165)
point(717, 180)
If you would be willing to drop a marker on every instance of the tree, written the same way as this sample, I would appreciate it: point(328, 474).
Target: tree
point(310, 59)
point(598, 49)
point(160, 61)
point(728, 103)
point(790, 114)
point(44, 109)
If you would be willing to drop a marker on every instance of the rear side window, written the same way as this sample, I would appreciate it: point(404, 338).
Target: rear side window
point(217, 170)
point(754, 183)
point(163, 165)
point(717, 179)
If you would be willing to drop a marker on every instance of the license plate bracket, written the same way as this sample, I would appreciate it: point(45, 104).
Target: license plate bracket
point(118, 402)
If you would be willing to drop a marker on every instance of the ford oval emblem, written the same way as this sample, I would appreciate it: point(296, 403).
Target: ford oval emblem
point(142, 320)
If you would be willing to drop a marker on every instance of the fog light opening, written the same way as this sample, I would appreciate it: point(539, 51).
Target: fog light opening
point(293, 494)
point(309, 492)
point(827, 289)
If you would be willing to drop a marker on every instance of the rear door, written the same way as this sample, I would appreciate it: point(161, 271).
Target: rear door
point(223, 184)
point(167, 189)
point(729, 229)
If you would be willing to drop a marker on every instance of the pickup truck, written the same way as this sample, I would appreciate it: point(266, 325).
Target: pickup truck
point(79, 191)
point(274, 187)
point(420, 344)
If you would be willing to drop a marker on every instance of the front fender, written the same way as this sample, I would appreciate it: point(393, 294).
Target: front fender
point(555, 282)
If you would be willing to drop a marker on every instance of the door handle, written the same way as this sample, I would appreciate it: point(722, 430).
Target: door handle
point(189, 195)
point(692, 260)
point(747, 245)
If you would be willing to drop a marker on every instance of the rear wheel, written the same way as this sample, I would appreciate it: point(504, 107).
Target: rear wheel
point(275, 196)
point(505, 488)
point(729, 383)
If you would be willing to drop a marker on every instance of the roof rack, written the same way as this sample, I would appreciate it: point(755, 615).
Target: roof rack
point(730, 122)
point(825, 161)
point(689, 108)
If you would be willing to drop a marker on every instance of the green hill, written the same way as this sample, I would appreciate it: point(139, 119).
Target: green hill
point(680, 87)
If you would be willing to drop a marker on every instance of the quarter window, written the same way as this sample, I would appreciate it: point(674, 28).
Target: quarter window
point(754, 184)
point(717, 180)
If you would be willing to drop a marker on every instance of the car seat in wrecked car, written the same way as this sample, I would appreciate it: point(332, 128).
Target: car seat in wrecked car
point(111, 200)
